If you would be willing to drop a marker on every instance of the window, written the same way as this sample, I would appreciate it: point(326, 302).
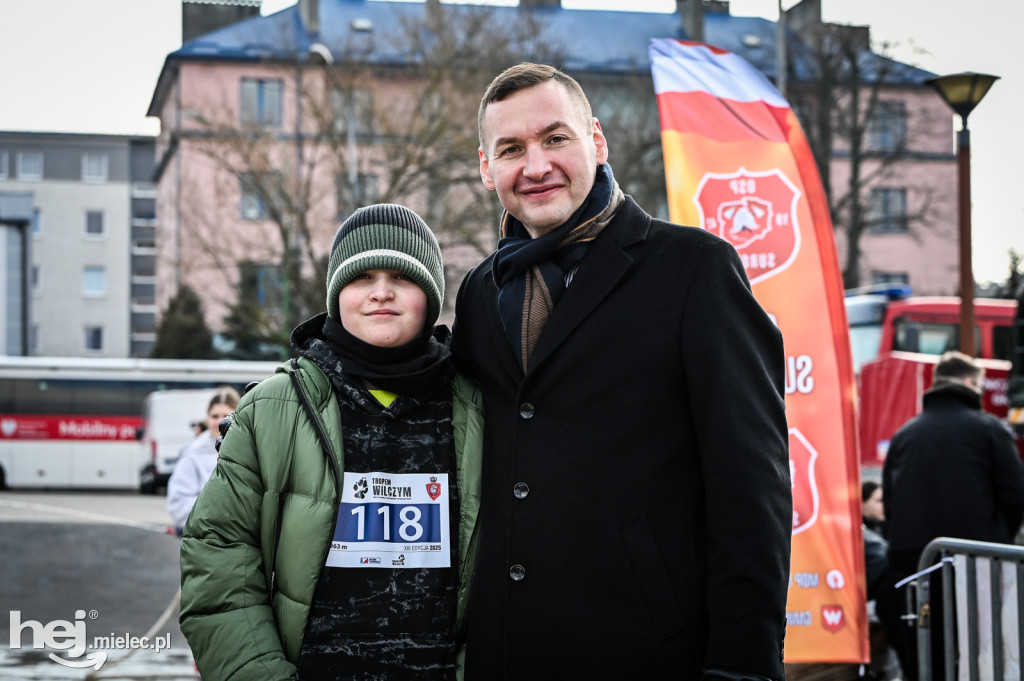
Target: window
point(94, 338)
point(94, 281)
point(887, 126)
point(930, 338)
point(269, 286)
point(4, 161)
point(258, 194)
point(254, 206)
point(35, 339)
point(30, 165)
point(143, 264)
point(1002, 342)
point(37, 223)
point(890, 278)
point(261, 102)
point(94, 167)
point(94, 223)
point(35, 276)
point(365, 191)
point(888, 211)
point(261, 284)
point(353, 110)
point(143, 293)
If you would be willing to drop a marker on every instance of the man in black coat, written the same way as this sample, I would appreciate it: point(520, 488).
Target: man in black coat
point(951, 471)
point(637, 511)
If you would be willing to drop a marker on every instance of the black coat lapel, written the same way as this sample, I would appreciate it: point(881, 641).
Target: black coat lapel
point(603, 267)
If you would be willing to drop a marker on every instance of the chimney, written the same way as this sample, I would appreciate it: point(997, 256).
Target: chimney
point(537, 4)
point(434, 15)
point(804, 19)
point(309, 12)
point(691, 18)
point(199, 18)
point(804, 16)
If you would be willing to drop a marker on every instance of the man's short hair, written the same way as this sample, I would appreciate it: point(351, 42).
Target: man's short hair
point(527, 75)
point(957, 365)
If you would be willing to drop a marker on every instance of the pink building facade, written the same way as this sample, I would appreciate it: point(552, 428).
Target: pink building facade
point(209, 218)
point(911, 199)
point(220, 88)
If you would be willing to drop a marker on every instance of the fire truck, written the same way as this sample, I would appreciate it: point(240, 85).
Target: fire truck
point(896, 340)
point(1015, 390)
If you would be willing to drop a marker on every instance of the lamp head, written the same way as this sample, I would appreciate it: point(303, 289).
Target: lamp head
point(962, 91)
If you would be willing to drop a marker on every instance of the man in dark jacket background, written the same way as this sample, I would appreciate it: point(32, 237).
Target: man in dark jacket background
point(637, 511)
point(951, 471)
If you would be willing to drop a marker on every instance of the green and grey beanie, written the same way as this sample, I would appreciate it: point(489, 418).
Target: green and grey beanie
point(386, 236)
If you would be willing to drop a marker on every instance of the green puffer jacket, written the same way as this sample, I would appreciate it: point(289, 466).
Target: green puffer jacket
point(267, 506)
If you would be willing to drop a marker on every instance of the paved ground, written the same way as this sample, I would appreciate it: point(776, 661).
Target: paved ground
point(105, 554)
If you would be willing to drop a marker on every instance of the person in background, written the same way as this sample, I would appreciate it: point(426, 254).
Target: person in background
point(951, 471)
point(637, 505)
point(872, 507)
point(889, 634)
point(197, 459)
point(335, 538)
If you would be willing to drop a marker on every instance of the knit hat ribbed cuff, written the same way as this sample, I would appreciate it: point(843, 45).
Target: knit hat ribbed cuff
point(386, 237)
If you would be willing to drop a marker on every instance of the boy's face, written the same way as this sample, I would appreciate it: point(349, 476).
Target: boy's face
point(383, 308)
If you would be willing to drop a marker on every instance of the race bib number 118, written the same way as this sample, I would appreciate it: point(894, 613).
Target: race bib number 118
point(392, 520)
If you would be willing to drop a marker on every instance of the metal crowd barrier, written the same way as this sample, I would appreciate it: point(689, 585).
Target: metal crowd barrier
point(984, 625)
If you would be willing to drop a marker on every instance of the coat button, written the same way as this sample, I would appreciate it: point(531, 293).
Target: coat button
point(526, 410)
point(521, 490)
point(517, 572)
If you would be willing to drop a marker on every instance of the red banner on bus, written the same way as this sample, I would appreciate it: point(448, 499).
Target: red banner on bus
point(738, 164)
point(51, 427)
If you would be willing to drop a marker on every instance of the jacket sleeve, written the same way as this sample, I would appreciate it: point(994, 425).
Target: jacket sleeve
point(734, 363)
point(226, 612)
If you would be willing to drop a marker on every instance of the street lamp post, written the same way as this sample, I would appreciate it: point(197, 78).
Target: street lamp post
point(962, 92)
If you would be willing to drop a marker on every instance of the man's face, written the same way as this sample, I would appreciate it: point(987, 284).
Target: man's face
point(541, 155)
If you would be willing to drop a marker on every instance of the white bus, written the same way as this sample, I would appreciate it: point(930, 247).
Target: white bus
point(75, 422)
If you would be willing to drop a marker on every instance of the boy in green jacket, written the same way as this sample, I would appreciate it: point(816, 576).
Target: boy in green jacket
point(335, 537)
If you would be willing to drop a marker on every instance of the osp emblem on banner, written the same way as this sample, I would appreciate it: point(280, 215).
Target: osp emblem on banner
point(802, 457)
point(756, 213)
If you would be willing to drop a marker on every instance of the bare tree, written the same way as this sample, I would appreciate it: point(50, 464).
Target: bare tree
point(844, 109)
point(1013, 287)
point(628, 110)
point(384, 114)
point(367, 130)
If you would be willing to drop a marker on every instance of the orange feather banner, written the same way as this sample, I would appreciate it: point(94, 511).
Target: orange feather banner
point(738, 164)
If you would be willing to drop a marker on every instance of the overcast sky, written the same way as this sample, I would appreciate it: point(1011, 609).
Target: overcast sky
point(91, 66)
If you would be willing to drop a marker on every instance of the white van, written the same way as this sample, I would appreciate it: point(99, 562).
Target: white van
point(169, 419)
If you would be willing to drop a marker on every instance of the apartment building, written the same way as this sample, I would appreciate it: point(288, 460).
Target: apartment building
point(77, 244)
point(257, 82)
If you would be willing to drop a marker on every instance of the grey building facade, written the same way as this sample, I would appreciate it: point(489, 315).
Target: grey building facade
point(77, 236)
